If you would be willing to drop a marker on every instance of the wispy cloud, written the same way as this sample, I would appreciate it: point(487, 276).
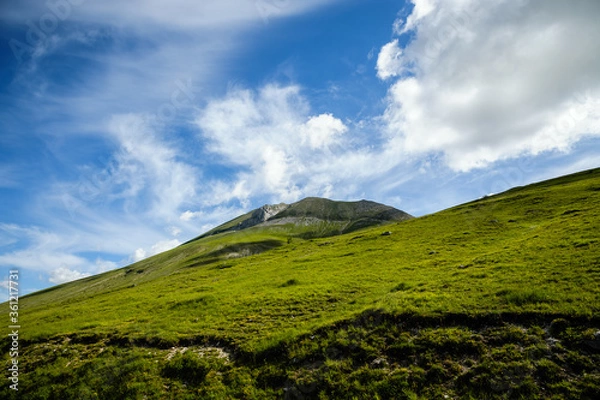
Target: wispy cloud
point(147, 163)
point(145, 14)
point(135, 73)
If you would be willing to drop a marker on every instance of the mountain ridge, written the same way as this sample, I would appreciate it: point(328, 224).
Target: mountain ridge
point(342, 216)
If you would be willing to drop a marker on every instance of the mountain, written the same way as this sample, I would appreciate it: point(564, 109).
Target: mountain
point(496, 298)
point(314, 217)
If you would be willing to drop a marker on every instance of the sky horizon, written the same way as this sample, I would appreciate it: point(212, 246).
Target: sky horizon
point(129, 128)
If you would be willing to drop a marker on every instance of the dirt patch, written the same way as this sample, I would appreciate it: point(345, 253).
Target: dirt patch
point(203, 351)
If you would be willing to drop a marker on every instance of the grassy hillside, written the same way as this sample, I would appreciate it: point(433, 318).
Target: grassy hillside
point(491, 299)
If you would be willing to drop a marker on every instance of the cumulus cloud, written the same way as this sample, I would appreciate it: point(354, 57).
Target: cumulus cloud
point(389, 61)
point(284, 152)
point(323, 131)
point(421, 9)
point(139, 255)
point(63, 274)
point(273, 136)
point(481, 83)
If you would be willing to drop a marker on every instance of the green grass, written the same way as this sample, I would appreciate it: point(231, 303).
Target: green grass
point(482, 283)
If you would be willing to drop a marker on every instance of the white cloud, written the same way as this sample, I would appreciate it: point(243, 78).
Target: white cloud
point(46, 250)
point(481, 83)
point(176, 14)
point(285, 153)
point(212, 216)
point(283, 150)
point(323, 130)
point(146, 177)
point(397, 26)
point(63, 274)
point(32, 259)
point(422, 8)
point(155, 249)
point(189, 215)
point(104, 265)
point(148, 166)
point(389, 62)
point(139, 255)
point(56, 253)
point(135, 202)
point(164, 245)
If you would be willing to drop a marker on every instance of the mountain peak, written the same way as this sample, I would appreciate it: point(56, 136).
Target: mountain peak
point(330, 216)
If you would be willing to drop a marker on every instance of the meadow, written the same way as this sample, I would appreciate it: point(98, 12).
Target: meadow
point(496, 298)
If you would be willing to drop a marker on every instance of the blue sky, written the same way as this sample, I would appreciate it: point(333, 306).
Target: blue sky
point(128, 128)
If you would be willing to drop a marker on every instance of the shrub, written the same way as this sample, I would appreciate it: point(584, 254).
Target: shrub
point(290, 282)
point(401, 287)
point(187, 367)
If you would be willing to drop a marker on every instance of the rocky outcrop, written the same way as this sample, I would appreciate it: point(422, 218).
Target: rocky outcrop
point(261, 215)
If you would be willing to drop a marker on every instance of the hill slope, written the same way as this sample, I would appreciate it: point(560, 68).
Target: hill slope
point(497, 298)
point(314, 217)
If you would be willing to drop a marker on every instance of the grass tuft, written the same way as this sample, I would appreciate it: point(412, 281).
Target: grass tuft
point(524, 297)
point(291, 282)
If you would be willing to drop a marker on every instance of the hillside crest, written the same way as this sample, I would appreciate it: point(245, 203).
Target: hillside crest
point(339, 216)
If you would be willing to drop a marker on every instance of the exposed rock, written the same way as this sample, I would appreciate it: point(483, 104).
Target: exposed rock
point(262, 214)
point(379, 363)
